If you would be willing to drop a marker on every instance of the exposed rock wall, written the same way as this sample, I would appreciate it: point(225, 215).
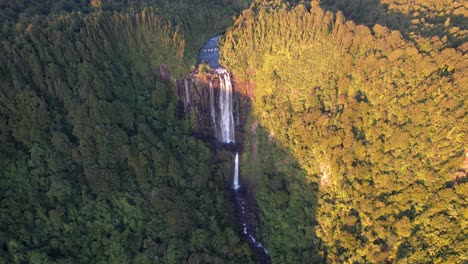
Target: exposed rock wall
point(193, 92)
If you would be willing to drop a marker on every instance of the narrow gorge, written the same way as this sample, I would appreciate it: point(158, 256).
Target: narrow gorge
point(211, 103)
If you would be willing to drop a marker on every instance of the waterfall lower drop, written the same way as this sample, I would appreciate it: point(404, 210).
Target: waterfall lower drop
point(235, 181)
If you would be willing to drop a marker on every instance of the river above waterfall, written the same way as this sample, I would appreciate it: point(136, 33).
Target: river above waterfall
point(209, 53)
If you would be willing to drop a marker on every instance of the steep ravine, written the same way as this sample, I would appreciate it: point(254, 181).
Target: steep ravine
point(218, 114)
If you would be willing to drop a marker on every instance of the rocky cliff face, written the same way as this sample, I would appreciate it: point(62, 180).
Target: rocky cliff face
point(199, 100)
point(193, 94)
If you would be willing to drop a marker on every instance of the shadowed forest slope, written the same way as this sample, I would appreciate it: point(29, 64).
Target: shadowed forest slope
point(378, 124)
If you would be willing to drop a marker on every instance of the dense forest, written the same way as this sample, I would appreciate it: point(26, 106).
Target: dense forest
point(354, 146)
point(95, 164)
point(368, 119)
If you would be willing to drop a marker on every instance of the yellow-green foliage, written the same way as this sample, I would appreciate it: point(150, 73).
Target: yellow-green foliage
point(430, 24)
point(377, 124)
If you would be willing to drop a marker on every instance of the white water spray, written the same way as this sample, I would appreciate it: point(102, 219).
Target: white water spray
point(235, 182)
point(225, 105)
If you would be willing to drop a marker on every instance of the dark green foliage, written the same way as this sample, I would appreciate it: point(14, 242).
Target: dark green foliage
point(355, 134)
point(198, 20)
point(287, 200)
point(95, 166)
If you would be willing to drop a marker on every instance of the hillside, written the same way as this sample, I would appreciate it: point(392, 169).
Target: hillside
point(368, 121)
point(96, 165)
point(347, 121)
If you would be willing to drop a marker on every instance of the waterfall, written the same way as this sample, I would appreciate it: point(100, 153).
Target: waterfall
point(225, 106)
point(212, 109)
point(222, 117)
point(236, 173)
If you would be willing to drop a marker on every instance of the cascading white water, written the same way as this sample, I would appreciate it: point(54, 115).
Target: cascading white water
point(235, 180)
point(212, 109)
point(187, 93)
point(226, 123)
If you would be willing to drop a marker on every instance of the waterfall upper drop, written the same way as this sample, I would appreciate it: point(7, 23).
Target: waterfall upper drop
point(226, 120)
point(221, 92)
point(235, 182)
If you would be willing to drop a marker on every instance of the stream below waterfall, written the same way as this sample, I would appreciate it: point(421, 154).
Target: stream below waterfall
point(222, 118)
